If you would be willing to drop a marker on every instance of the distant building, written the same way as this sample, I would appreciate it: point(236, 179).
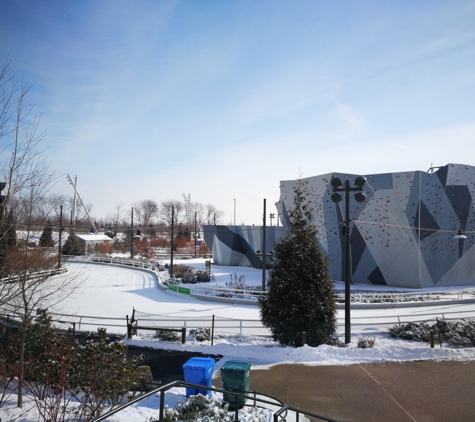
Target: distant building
point(90, 242)
point(403, 234)
point(237, 245)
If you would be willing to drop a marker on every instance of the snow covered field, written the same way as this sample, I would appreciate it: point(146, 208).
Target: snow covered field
point(112, 291)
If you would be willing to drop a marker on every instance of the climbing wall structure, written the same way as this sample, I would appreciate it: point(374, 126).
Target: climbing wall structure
point(403, 234)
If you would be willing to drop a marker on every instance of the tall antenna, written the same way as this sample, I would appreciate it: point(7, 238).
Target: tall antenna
point(76, 194)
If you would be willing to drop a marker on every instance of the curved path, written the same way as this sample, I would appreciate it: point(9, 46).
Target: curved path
point(111, 291)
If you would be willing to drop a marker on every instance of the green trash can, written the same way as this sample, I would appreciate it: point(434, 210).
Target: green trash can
point(235, 376)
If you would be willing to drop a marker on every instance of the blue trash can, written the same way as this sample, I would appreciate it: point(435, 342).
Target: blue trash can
point(199, 371)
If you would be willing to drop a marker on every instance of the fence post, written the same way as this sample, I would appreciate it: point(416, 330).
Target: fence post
point(431, 339)
point(438, 329)
point(183, 335)
point(304, 338)
point(212, 331)
point(129, 330)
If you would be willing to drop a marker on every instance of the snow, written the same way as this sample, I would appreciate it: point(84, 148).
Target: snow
point(112, 292)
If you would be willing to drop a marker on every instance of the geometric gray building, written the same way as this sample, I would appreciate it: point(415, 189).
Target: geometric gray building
point(403, 234)
point(237, 245)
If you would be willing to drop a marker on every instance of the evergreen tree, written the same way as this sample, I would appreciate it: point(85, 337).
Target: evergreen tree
point(46, 238)
point(300, 297)
point(11, 230)
point(7, 236)
point(71, 246)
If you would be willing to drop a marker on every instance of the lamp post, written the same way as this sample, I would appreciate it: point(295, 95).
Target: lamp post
point(264, 248)
point(172, 242)
point(336, 197)
point(132, 234)
point(60, 246)
point(460, 236)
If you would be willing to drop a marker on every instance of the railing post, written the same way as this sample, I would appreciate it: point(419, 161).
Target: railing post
point(183, 335)
point(162, 405)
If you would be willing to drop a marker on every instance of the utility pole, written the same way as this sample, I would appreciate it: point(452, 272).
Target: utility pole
point(195, 234)
point(172, 243)
point(264, 257)
point(132, 234)
point(60, 233)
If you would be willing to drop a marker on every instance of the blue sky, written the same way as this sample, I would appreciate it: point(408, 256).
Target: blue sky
point(223, 99)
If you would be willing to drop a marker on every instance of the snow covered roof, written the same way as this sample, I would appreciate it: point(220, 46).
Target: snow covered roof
point(93, 237)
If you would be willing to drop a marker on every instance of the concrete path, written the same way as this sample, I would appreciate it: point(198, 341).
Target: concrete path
point(415, 391)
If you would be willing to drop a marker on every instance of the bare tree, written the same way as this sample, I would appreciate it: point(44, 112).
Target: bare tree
point(145, 211)
point(213, 215)
point(26, 284)
point(117, 217)
point(52, 206)
point(166, 211)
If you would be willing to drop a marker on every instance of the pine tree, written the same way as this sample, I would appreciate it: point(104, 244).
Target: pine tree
point(11, 231)
point(300, 297)
point(7, 236)
point(71, 246)
point(46, 238)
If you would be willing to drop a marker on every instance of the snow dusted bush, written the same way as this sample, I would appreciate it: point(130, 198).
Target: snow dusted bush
point(202, 276)
point(456, 333)
point(366, 343)
point(181, 270)
point(166, 335)
point(201, 334)
point(412, 331)
point(201, 408)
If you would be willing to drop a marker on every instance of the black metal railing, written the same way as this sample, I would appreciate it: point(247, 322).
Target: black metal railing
point(256, 398)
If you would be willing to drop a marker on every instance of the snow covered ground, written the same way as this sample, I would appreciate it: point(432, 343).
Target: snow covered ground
point(112, 291)
point(108, 291)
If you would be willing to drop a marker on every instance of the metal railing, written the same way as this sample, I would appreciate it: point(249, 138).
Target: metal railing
point(126, 262)
point(256, 398)
point(38, 274)
point(232, 326)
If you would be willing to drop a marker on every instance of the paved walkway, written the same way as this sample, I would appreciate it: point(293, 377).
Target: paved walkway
point(415, 391)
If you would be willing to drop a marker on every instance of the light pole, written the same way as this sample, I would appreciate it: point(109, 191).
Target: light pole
point(336, 197)
point(132, 234)
point(234, 211)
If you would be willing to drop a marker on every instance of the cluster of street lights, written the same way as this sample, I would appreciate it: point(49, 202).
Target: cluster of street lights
point(336, 197)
